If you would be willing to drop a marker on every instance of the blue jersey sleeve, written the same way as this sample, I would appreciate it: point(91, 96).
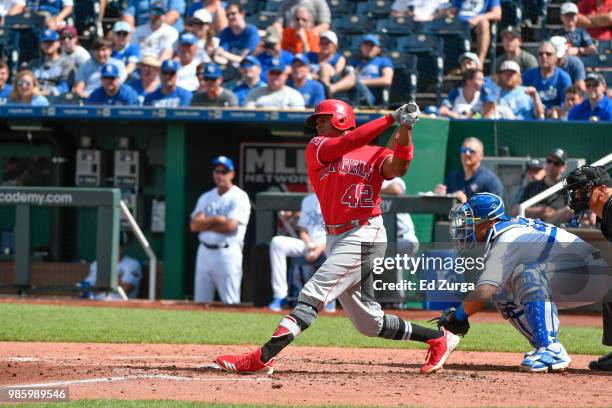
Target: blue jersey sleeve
point(252, 39)
point(489, 92)
point(224, 38)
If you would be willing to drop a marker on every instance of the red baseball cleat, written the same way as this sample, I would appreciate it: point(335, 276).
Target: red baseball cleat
point(439, 350)
point(249, 363)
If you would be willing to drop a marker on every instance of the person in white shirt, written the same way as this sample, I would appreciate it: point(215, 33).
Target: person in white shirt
point(186, 52)
point(465, 102)
point(420, 10)
point(276, 95)
point(88, 76)
point(71, 49)
point(11, 8)
point(220, 218)
point(156, 37)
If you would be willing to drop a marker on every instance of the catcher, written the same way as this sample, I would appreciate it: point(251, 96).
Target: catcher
point(530, 268)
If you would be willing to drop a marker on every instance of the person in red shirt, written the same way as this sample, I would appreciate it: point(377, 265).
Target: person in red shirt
point(347, 174)
point(596, 17)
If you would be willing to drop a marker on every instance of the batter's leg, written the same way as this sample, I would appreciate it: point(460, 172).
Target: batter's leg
point(280, 248)
point(204, 288)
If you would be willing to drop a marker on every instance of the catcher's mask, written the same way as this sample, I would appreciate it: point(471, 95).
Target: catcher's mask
point(579, 186)
point(465, 217)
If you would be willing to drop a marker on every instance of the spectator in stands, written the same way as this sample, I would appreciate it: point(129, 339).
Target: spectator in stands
point(596, 17)
point(319, 9)
point(216, 10)
point(136, 13)
point(71, 48)
point(88, 76)
point(272, 49)
point(56, 11)
point(329, 67)
point(373, 70)
point(311, 90)
point(552, 209)
point(149, 67)
point(25, 90)
point(123, 49)
point(572, 65)
point(471, 178)
point(156, 37)
point(169, 95)
point(573, 97)
point(300, 36)
point(238, 39)
point(465, 102)
point(479, 14)
point(200, 26)
point(511, 41)
point(112, 91)
point(210, 92)
point(419, 10)
point(276, 94)
point(581, 43)
point(489, 92)
point(53, 72)
point(550, 80)
point(11, 8)
point(597, 106)
point(534, 171)
point(186, 53)
point(129, 274)
point(5, 88)
point(250, 72)
point(523, 102)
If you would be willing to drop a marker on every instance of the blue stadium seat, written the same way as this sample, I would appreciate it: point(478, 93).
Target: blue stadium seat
point(607, 76)
point(341, 7)
point(404, 85)
point(420, 44)
point(86, 17)
point(378, 7)
point(397, 25)
point(598, 61)
point(354, 24)
point(249, 7)
point(604, 46)
point(512, 14)
point(262, 20)
point(272, 5)
point(455, 35)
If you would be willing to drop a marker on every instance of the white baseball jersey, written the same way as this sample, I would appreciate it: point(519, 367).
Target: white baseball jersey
point(311, 218)
point(234, 204)
point(129, 272)
point(154, 42)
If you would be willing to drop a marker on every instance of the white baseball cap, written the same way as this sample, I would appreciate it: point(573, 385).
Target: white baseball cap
point(122, 26)
point(510, 65)
point(560, 44)
point(569, 8)
point(471, 56)
point(203, 15)
point(330, 35)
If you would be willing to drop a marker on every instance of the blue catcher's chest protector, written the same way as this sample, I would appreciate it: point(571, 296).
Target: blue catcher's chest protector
point(523, 222)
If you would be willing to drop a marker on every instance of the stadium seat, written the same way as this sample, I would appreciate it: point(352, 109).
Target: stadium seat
point(455, 35)
point(597, 61)
point(262, 20)
point(249, 7)
point(354, 24)
point(86, 17)
point(378, 7)
point(512, 14)
point(341, 7)
point(272, 5)
point(405, 76)
point(604, 46)
point(420, 44)
point(607, 76)
point(396, 25)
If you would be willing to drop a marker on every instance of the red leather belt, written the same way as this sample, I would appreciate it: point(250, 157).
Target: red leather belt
point(341, 228)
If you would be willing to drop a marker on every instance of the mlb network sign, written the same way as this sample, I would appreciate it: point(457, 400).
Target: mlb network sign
point(273, 167)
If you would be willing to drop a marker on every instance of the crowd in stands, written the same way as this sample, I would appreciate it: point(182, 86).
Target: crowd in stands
point(206, 53)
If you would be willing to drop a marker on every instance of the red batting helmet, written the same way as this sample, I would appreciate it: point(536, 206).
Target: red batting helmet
point(342, 116)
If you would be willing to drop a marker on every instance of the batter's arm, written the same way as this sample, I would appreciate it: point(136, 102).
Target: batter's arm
point(397, 166)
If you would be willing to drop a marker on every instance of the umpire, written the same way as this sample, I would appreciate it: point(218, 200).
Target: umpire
point(589, 188)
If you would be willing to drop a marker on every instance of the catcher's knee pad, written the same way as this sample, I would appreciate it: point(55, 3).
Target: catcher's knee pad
point(395, 328)
point(531, 283)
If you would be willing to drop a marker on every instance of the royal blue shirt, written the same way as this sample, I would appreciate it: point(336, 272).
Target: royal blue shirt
point(312, 91)
point(130, 54)
point(371, 69)
point(139, 9)
point(552, 89)
point(241, 90)
point(518, 102)
point(236, 44)
point(483, 181)
point(603, 110)
point(126, 96)
point(577, 38)
point(196, 5)
point(52, 7)
point(285, 56)
point(574, 67)
point(5, 94)
point(180, 97)
point(466, 9)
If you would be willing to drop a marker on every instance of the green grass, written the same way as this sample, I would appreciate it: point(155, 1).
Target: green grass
point(129, 325)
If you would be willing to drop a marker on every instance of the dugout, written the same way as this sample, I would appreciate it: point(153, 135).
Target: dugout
point(38, 146)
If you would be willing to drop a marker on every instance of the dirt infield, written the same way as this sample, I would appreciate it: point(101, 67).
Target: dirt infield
point(304, 375)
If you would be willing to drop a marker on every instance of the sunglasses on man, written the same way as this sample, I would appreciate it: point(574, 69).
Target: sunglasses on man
point(467, 150)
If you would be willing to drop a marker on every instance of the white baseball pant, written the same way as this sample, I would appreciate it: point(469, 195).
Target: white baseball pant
point(219, 269)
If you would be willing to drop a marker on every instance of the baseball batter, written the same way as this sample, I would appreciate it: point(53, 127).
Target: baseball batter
point(530, 269)
point(220, 218)
point(347, 176)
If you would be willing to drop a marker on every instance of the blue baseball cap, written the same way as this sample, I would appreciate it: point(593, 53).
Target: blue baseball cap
point(109, 71)
point(276, 64)
point(170, 65)
point(370, 38)
point(157, 7)
point(212, 71)
point(187, 38)
point(301, 58)
point(49, 36)
point(224, 161)
point(249, 61)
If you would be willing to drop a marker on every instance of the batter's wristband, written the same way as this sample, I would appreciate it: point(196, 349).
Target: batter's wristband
point(460, 314)
point(404, 152)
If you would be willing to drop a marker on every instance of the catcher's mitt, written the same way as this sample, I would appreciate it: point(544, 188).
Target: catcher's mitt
point(449, 322)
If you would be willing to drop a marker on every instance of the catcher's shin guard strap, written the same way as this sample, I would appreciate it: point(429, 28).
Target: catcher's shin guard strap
point(395, 328)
